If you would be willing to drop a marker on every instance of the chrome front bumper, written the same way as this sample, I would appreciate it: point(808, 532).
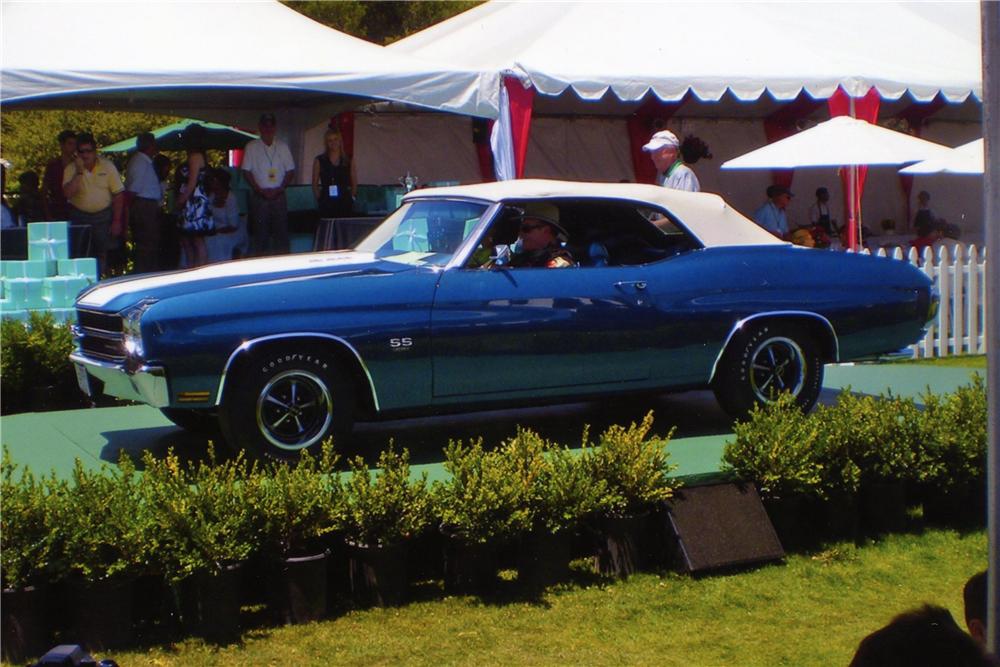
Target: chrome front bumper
point(147, 384)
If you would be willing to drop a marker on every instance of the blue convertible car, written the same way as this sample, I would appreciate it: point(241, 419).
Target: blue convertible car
point(665, 290)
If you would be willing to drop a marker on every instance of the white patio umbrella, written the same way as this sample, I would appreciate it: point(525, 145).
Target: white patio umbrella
point(841, 141)
point(965, 159)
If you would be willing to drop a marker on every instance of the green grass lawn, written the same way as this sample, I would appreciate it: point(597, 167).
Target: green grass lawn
point(964, 361)
point(811, 611)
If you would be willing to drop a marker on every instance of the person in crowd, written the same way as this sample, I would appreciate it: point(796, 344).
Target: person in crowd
point(924, 637)
point(94, 191)
point(771, 215)
point(819, 212)
point(671, 172)
point(334, 182)
point(193, 206)
point(7, 220)
point(974, 597)
point(538, 240)
point(53, 199)
point(30, 207)
point(924, 218)
point(269, 168)
point(926, 226)
point(230, 238)
point(170, 250)
point(145, 192)
point(162, 166)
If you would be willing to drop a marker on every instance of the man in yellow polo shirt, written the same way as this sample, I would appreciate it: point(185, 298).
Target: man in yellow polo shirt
point(94, 189)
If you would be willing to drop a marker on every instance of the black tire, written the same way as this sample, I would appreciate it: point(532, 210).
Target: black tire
point(196, 420)
point(765, 360)
point(282, 401)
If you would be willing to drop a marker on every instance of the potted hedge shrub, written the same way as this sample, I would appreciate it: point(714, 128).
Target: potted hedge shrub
point(953, 466)
point(25, 545)
point(299, 504)
point(384, 510)
point(882, 437)
point(840, 476)
point(634, 469)
point(34, 363)
point(207, 525)
point(777, 449)
point(105, 541)
point(482, 508)
point(560, 494)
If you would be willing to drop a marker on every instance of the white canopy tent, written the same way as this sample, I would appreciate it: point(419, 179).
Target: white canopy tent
point(709, 48)
point(724, 66)
point(180, 55)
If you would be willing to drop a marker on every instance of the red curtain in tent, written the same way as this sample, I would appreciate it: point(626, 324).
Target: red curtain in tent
point(649, 118)
point(915, 115)
point(782, 124)
point(521, 100)
point(344, 123)
point(865, 108)
point(482, 129)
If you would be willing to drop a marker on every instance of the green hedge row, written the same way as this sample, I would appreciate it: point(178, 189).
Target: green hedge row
point(938, 449)
point(179, 519)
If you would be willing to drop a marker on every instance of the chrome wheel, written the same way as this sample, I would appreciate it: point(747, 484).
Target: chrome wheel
point(776, 365)
point(294, 410)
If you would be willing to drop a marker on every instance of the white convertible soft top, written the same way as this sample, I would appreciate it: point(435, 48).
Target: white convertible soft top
point(707, 216)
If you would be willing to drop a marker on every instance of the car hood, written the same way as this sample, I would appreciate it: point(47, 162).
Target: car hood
point(123, 292)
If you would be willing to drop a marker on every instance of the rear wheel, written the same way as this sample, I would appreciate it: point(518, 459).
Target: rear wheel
point(764, 361)
point(285, 400)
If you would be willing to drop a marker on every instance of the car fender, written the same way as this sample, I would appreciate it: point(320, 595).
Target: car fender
point(359, 367)
point(830, 347)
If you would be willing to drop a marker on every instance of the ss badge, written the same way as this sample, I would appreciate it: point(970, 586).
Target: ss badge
point(400, 343)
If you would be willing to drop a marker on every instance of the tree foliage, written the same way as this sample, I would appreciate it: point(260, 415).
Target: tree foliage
point(381, 22)
point(29, 137)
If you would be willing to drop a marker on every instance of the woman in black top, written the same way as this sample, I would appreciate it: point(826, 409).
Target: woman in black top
point(333, 179)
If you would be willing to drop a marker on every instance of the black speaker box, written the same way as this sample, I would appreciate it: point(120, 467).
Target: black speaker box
point(721, 526)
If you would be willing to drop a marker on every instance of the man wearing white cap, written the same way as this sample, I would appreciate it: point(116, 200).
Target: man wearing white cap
point(671, 172)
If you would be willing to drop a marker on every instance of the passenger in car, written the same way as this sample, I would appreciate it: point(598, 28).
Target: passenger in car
point(539, 237)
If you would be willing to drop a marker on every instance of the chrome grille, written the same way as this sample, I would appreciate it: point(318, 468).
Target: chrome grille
point(101, 335)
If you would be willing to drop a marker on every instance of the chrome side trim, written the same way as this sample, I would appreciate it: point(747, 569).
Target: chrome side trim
point(145, 383)
point(775, 313)
point(247, 345)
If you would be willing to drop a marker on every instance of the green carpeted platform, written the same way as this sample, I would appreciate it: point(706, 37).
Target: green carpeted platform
point(53, 440)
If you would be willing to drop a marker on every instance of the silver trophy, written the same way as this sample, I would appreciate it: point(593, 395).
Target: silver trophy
point(409, 182)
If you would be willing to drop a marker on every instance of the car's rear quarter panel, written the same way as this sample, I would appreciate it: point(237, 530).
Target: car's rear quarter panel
point(872, 303)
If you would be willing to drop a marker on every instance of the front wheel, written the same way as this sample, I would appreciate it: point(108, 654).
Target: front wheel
point(282, 402)
point(765, 361)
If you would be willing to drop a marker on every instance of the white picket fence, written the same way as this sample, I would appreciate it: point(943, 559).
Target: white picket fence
point(959, 273)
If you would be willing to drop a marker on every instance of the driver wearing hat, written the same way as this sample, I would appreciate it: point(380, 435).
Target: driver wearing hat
point(538, 240)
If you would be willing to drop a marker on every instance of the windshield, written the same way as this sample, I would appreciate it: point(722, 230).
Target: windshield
point(424, 232)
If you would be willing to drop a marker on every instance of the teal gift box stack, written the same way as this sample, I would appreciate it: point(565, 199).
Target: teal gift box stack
point(48, 280)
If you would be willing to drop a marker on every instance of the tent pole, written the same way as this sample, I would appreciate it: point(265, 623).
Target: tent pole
point(852, 175)
point(990, 16)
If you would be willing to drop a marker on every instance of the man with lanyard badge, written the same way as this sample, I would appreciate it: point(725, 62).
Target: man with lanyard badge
point(269, 168)
point(671, 172)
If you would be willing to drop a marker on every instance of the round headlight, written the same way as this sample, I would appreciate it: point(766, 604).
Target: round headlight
point(131, 321)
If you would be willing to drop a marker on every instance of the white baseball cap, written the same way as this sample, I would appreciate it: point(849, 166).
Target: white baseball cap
point(661, 139)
